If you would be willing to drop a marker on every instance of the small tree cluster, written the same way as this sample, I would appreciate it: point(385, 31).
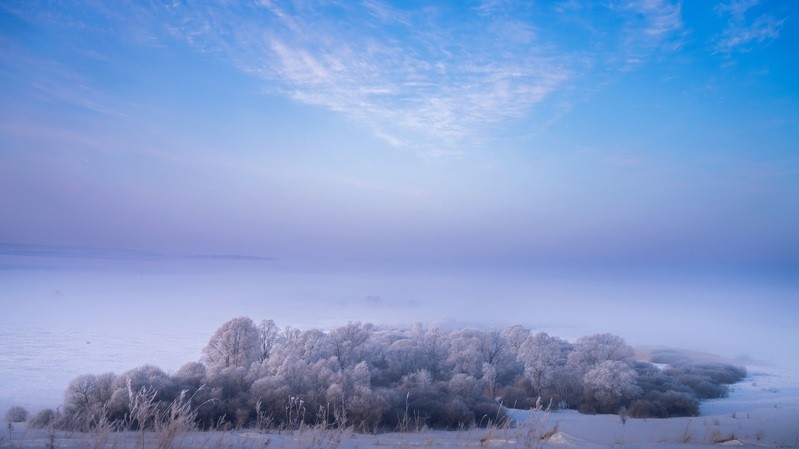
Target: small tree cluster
point(677, 389)
point(374, 378)
point(43, 419)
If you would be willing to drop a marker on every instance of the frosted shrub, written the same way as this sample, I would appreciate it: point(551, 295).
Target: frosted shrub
point(594, 349)
point(16, 414)
point(457, 414)
point(42, 419)
point(610, 385)
point(191, 375)
point(542, 355)
point(669, 357)
point(464, 385)
point(516, 397)
point(364, 410)
point(678, 404)
point(236, 343)
point(644, 408)
point(664, 405)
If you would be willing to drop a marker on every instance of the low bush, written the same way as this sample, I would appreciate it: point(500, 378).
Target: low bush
point(42, 418)
point(675, 403)
point(16, 414)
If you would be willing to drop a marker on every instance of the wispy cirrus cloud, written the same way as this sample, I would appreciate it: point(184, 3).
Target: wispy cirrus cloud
point(663, 16)
point(414, 81)
point(746, 30)
point(437, 78)
point(736, 8)
point(648, 26)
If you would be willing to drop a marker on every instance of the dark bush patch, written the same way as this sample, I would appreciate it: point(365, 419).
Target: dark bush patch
point(42, 418)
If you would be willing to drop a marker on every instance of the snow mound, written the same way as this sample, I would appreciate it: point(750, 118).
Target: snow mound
point(497, 442)
point(732, 443)
point(558, 438)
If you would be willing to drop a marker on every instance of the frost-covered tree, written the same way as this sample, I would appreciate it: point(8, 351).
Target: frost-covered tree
point(464, 385)
point(311, 345)
point(191, 375)
point(594, 349)
point(88, 391)
point(364, 409)
point(269, 337)
point(348, 342)
point(464, 352)
point(236, 343)
point(419, 382)
point(490, 379)
point(148, 377)
point(16, 414)
point(403, 357)
point(43, 418)
point(434, 344)
point(86, 398)
point(360, 376)
point(105, 388)
point(542, 356)
point(516, 335)
point(611, 384)
point(80, 393)
point(493, 347)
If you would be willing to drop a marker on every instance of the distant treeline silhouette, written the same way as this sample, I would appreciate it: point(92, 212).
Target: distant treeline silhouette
point(376, 378)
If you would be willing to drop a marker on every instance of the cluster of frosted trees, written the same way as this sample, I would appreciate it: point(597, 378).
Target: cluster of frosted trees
point(377, 378)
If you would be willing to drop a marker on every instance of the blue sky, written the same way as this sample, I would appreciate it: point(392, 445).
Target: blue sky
point(503, 135)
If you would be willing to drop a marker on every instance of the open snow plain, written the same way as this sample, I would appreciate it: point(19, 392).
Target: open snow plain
point(63, 319)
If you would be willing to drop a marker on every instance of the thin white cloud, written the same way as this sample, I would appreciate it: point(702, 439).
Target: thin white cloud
point(650, 26)
point(737, 8)
point(385, 13)
point(429, 78)
point(744, 30)
point(744, 37)
point(664, 17)
point(414, 82)
point(52, 81)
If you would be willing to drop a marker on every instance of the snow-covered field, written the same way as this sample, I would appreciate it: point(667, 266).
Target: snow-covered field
point(63, 318)
point(762, 411)
point(63, 321)
point(37, 362)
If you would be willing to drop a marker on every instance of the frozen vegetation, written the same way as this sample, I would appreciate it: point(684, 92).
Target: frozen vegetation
point(760, 413)
point(375, 379)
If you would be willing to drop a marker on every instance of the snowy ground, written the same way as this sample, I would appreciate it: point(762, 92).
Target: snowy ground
point(762, 411)
point(37, 362)
point(64, 318)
